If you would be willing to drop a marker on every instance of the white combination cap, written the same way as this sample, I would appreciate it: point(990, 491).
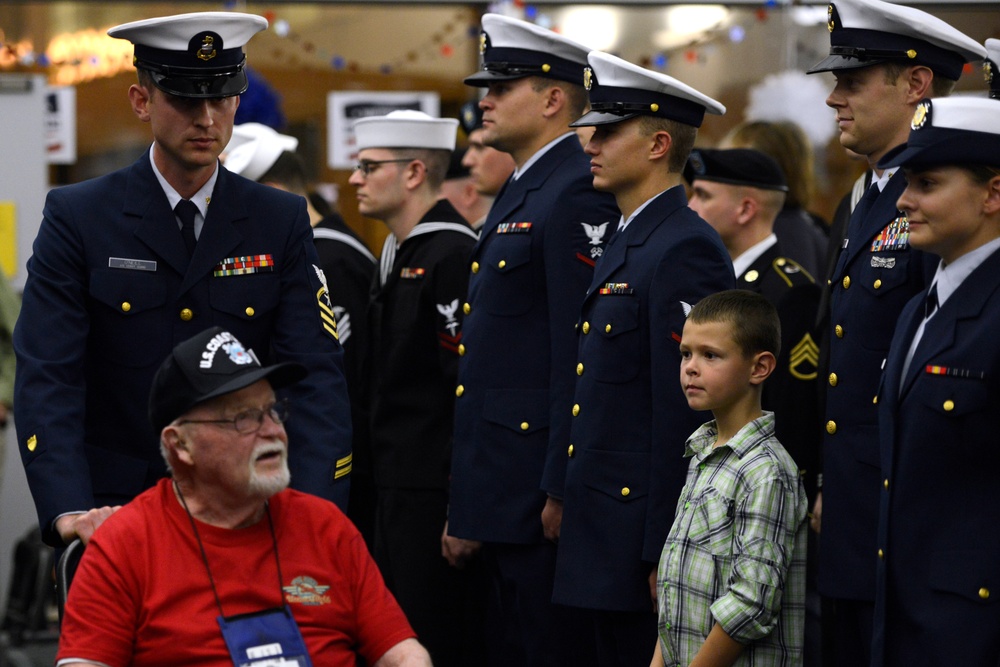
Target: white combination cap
point(513, 49)
point(193, 55)
point(255, 148)
point(868, 32)
point(991, 67)
point(406, 129)
point(950, 131)
point(620, 90)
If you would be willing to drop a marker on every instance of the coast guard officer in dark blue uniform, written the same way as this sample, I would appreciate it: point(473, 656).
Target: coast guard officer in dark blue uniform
point(938, 546)
point(530, 272)
point(886, 58)
point(625, 463)
point(128, 265)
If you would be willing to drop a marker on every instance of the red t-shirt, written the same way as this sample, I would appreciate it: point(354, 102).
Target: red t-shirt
point(142, 596)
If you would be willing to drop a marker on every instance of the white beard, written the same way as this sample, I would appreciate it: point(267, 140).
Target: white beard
point(272, 483)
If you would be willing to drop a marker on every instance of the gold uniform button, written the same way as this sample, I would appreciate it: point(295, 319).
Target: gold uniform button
point(875, 399)
point(607, 328)
point(984, 594)
point(881, 554)
point(949, 405)
point(885, 483)
point(502, 263)
point(524, 426)
point(878, 283)
point(831, 427)
point(475, 267)
point(459, 390)
point(466, 308)
point(186, 314)
point(579, 369)
point(839, 330)
point(576, 410)
point(461, 350)
point(626, 491)
point(250, 311)
point(833, 379)
point(569, 451)
point(586, 327)
point(126, 306)
point(847, 282)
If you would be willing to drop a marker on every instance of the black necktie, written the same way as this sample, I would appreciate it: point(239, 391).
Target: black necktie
point(931, 304)
point(186, 210)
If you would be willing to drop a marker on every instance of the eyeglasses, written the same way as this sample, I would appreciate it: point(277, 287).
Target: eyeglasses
point(366, 167)
point(249, 421)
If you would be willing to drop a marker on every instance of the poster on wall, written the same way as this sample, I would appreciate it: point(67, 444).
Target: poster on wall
point(60, 125)
point(343, 108)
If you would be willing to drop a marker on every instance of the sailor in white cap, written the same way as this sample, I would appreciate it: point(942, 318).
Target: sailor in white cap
point(661, 258)
point(886, 58)
point(530, 270)
point(937, 401)
point(415, 339)
point(127, 264)
point(260, 153)
point(991, 67)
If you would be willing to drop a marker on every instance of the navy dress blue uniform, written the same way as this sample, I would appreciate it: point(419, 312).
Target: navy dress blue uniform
point(111, 291)
point(939, 501)
point(625, 466)
point(625, 458)
point(416, 337)
point(530, 272)
point(876, 274)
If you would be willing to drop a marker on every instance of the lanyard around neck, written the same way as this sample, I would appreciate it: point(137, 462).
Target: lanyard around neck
point(204, 556)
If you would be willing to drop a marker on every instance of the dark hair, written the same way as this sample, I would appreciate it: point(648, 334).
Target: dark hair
point(289, 171)
point(751, 317)
point(435, 161)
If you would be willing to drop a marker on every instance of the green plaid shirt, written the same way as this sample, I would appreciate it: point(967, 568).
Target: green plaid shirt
point(736, 552)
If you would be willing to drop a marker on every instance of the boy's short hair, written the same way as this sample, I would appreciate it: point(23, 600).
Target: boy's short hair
point(752, 319)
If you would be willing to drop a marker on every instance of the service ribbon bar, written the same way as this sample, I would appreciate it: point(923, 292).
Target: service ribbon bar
point(239, 266)
point(514, 228)
point(955, 372)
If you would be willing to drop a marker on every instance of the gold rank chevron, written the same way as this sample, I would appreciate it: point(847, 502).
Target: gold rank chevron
point(326, 313)
point(805, 353)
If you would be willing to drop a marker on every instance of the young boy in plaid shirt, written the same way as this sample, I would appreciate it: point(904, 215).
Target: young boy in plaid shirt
point(731, 577)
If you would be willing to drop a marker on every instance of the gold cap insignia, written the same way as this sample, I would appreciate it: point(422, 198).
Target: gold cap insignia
point(482, 43)
point(829, 18)
point(546, 67)
point(654, 107)
point(911, 54)
point(588, 77)
point(988, 71)
point(921, 115)
point(207, 49)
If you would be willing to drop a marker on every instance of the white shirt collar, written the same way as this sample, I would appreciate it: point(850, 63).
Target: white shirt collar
point(742, 263)
point(883, 180)
point(623, 223)
point(538, 155)
point(949, 277)
point(200, 198)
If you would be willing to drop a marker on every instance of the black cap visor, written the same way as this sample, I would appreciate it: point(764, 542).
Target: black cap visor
point(593, 118)
point(201, 85)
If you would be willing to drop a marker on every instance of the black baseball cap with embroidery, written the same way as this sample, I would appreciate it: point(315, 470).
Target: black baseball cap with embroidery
point(193, 55)
point(210, 364)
